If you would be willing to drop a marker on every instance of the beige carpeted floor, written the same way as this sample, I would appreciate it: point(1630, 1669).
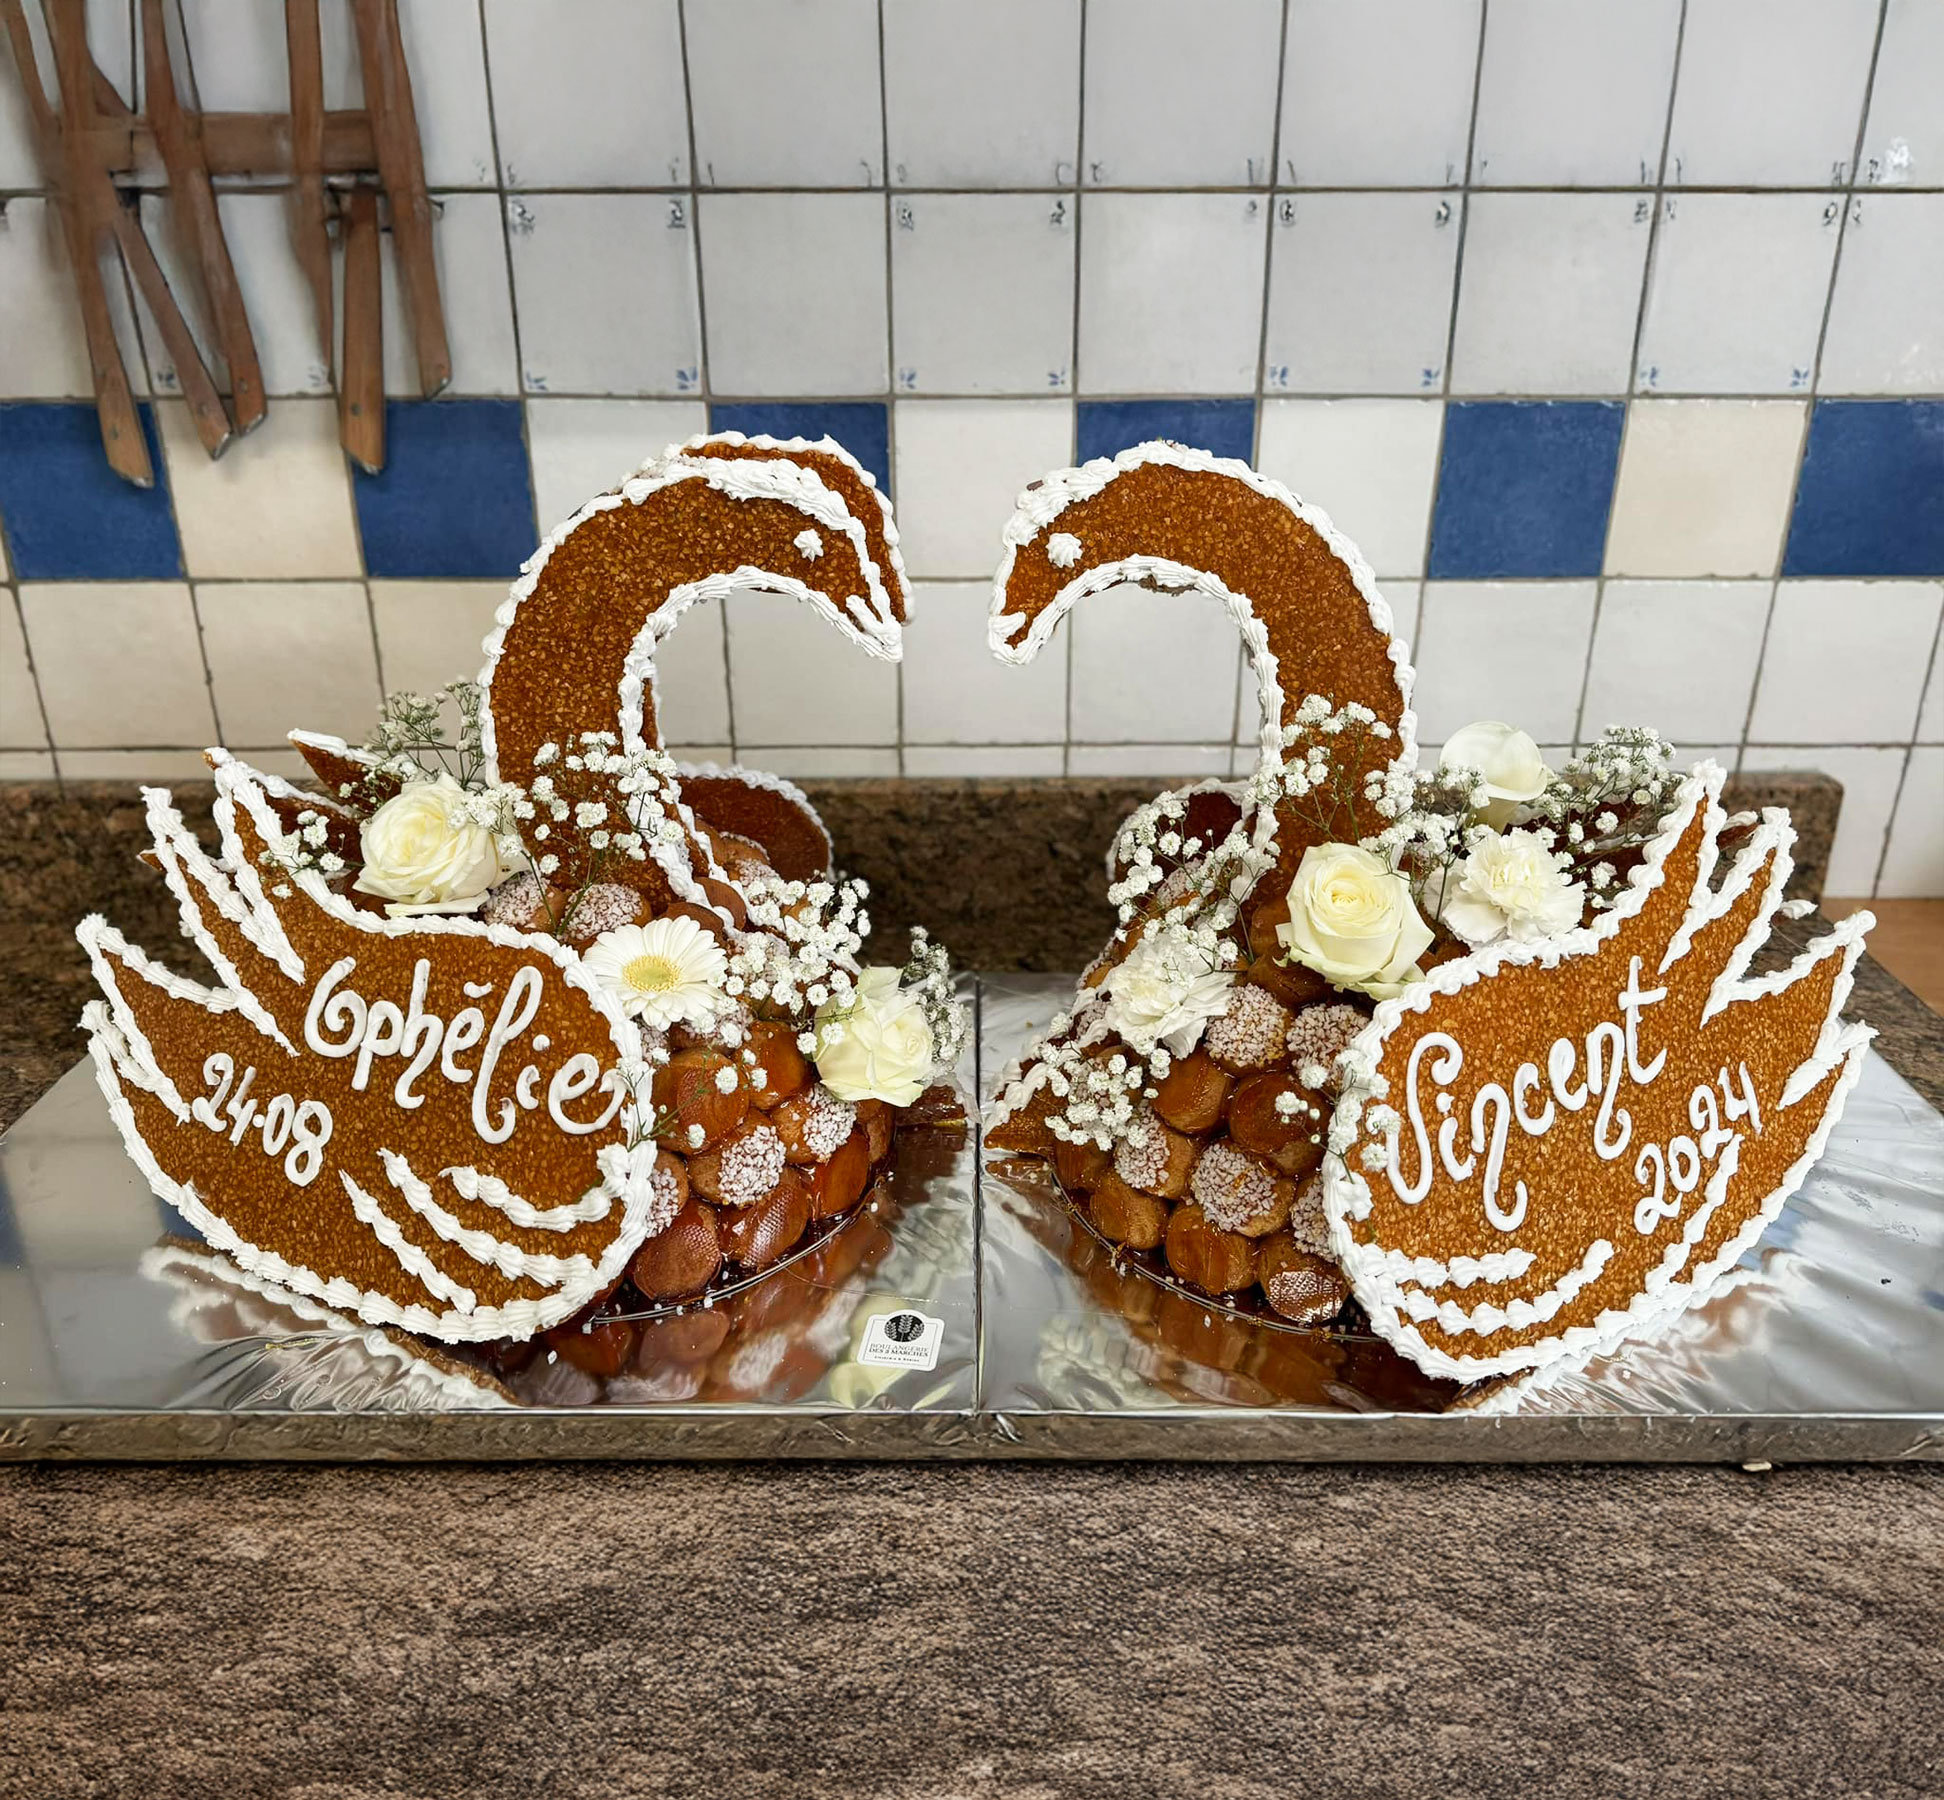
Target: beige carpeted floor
point(319, 1634)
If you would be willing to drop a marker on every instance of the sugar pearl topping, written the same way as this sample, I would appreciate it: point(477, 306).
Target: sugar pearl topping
point(1250, 1034)
point(1308, 1224)
point(603, 906)
point(827, 1123)
point(515, 902)
point(1232, 1187)
point(1141, 1158)
point(1321, 1034)
point(751, 1167)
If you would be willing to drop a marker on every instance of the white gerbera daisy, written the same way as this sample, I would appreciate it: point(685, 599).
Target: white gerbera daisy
point(667, 972)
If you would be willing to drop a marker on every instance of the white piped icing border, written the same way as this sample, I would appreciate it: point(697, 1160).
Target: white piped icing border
point(1840, 1046)
point(120, 1053)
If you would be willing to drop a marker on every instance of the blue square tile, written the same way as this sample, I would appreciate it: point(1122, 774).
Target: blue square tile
point(69, 517)
point(863, 427)
point(1870, 498)
point(455, 497)
point(1225, 427)
point(1524, 487)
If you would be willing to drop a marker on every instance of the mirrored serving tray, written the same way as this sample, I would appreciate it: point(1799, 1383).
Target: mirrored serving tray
point(120, 1337)
point(1825, 1343)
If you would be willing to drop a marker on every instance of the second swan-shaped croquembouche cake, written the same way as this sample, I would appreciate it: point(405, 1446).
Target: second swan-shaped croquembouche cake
point(1471, 1051)
point(516, 1019)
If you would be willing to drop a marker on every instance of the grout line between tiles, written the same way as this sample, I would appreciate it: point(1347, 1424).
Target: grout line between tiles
point(1079, 278)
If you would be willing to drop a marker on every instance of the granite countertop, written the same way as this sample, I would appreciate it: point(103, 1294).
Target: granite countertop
point(1007, 874)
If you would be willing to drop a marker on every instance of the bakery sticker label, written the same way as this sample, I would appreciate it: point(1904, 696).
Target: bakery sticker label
point(902, 1340)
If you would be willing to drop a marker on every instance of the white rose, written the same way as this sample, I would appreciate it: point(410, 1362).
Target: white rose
point(880, 1049)
point(426, 852)
point(1510, 886)
point(1352, 920)
point(1515, 773)
point(1164, 993)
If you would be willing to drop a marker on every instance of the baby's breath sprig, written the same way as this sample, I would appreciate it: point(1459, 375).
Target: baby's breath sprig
point(1606, 803)
point(927, 977)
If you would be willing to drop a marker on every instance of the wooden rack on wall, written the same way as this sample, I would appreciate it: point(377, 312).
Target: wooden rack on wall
point(97, 156)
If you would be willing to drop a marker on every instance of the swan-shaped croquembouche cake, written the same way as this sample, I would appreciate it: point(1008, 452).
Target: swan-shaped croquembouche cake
point(518, 1018)
point(1472, 1051)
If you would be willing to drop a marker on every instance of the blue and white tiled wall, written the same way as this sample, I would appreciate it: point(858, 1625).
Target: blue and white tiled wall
point(1612, 329)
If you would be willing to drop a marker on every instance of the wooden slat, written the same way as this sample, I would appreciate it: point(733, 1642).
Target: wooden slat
point(192, 206)
point(361, 389)
point(206, 408)
point(310, 228)
point(401, 168)
point(77, 201)
point(233, 144)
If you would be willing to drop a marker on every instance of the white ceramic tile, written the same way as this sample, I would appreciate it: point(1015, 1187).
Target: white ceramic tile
point(289, 654)
point(431, 632)
point(150, 691)
point(983, 761)
point(469, 249)
point(1904, 143)
point(1914, 863)
point(1869, 779)
point(446, 56)
point(38, 765)
point(1171, 293)
point(796, 293)
point(1168, 107)
point(588, 93)
point(957, 692)
point(961, 467)
point(1370, 464)
point(240, 61)
point(43, 354)
point(605, 285)
point(1770, 92)
point(1736, 295)
point(982, 293)
point(722, 755)
point(1378, 92)
point(1677, 655)
point(1574, 93)
point(796, 681)
point(1886, 320)
point(1704, 487)
point(1930, 722)
point(21, 726)
point(1549, 294)
point(276, 297)
point(581, 448)
point(1845, 662)
point(108, 39)
point(692, 680)
point(280, 507)
point(982, 96)
point(1152, 668)
point(1360, 292)
point(825, 762)
point(786, 94)
point(1165, 762)
point(1512, 650)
